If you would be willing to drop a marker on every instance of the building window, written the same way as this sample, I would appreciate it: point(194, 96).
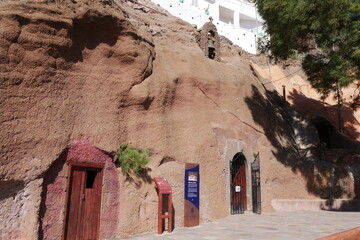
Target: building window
point(226, 15)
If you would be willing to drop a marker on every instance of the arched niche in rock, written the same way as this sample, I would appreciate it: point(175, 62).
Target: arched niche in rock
point(209, 41)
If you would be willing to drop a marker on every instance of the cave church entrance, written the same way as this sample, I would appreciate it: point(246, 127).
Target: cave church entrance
point(238, 184)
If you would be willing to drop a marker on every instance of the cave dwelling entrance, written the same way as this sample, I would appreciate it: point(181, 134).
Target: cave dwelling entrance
point(83, 201)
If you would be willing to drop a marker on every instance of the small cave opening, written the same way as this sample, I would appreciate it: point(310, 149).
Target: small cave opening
point(211, 44)
point(326, 133)
point(323, 133)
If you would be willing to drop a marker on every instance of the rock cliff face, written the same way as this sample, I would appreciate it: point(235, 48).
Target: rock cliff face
point(65, 72)
point(104, 73)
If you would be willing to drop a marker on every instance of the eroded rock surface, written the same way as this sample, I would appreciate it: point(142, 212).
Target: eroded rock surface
point(105, 73)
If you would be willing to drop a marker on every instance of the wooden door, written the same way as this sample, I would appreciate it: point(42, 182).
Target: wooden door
point(242, 182)
point(83, 203)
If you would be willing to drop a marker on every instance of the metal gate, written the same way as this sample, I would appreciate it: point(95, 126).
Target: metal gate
point(255, 179)
point(238, 184)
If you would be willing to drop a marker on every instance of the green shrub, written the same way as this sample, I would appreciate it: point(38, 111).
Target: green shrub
point(130, 159)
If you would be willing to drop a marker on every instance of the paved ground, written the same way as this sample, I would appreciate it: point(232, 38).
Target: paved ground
point(272, 226)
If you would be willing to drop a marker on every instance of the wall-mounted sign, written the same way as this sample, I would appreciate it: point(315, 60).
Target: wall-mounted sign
point(237, 188)
point(192, 195)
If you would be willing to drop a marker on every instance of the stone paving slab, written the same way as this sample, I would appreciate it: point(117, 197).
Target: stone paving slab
point(269, 226)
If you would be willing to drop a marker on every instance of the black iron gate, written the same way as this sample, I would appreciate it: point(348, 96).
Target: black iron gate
point(238, 184)
point(255, 179)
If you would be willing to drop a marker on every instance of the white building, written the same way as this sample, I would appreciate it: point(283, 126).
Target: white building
point(238, 20)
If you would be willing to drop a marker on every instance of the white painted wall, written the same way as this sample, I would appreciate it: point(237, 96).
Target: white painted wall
point(237, 20)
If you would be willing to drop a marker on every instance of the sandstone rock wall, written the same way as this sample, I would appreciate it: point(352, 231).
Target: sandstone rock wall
point(110, 73)
point(54, 63)
point(206, 33)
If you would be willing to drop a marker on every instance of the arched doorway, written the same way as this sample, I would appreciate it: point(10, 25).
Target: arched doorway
point(238, 184)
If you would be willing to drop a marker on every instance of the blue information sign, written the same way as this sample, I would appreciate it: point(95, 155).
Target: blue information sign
point(192, 185)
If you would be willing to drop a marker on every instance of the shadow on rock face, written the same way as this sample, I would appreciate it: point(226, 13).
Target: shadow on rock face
point(142, 176)
point(90, 30)
point(10, 188)
point(323, 179)
point(268, 112)
point(314, 108)
point(49, 180)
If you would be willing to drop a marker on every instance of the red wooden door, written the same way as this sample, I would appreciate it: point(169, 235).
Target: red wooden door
point(243, 185)
point(83, 204)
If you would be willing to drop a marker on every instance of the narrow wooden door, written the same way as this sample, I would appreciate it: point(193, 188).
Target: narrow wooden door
point(83, 204)
point(242, 178)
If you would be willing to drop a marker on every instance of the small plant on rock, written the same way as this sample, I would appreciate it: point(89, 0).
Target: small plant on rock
point(130, 159)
